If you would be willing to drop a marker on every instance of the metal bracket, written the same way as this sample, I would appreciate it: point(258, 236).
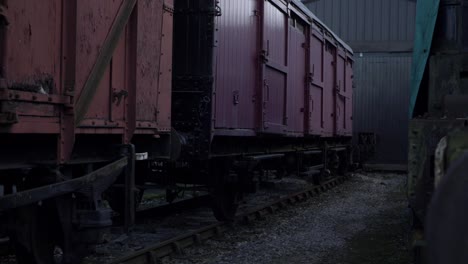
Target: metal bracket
point(168, 8)
point(130, 188)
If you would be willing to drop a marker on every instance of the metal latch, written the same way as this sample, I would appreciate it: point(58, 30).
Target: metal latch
point(235, 96)
point(117, 96)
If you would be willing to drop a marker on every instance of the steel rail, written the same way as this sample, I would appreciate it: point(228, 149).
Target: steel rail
point(152, 254)
point(166, 208)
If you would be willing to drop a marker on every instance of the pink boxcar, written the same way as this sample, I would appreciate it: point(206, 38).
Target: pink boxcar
point(280, 70)
point(258, 85)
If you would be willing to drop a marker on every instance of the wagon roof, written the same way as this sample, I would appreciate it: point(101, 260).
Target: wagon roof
point(309, 13)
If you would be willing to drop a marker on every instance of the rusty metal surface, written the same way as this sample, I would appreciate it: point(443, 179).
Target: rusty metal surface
point(50, 51)
point(93, 25)
point(149, 50)
point(164, 88)
point(103, 58)
point(94, 20)
point(32, 43)
point(154, 64)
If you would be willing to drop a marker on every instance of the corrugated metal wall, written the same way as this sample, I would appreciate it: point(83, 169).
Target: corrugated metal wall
point(369, 25)
point(381, 102)
point(382, 31)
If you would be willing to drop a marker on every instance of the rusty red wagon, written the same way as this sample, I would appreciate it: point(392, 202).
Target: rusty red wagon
point(79, 82)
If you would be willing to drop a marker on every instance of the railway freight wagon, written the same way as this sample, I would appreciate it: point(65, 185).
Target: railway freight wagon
point(86, 107)
point(257, 84)
point(83, 85)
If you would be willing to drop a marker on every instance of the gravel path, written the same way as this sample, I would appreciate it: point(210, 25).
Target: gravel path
point(157, 228)
point(362, 221)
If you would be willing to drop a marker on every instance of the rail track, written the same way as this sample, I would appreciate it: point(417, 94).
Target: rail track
point(152, 254)
point(167, 208)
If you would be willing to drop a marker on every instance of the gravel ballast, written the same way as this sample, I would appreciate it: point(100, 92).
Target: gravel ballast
point(362, 221)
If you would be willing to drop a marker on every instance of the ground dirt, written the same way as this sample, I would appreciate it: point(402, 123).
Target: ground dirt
point(362, 221)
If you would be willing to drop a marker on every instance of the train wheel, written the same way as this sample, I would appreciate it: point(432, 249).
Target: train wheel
point(225, 202)
point(345, 162)
point(225, 192)
point(39, 241)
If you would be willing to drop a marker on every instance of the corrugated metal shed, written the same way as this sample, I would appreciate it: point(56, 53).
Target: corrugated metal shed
point(369, 25)
point(381, 102)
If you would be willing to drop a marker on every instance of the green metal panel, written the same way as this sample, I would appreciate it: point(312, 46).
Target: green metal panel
point(426, 16)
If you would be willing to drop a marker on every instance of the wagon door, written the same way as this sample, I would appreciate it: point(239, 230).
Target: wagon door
point(108, 108)
point(348, 91)
point(328, 104)
point(339, 93)
point(274, 52)
point(297, 76)
point(236, 64)
point(316, 93)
